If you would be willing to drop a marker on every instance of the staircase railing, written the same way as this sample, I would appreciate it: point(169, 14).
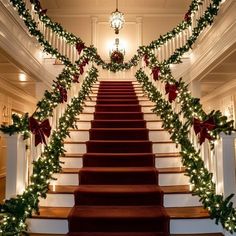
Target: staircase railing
point(163, 48)
point(167, 49)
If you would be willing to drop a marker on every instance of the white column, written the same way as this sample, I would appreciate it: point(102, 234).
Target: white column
point(226, 176)
point(94, 31)
point(139, 21)
point(16, 165)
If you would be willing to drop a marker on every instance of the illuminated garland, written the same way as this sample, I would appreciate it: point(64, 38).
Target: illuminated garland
point(15, 210)
point(203, 186)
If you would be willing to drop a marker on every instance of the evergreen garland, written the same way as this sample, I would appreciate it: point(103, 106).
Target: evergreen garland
point(15, 211)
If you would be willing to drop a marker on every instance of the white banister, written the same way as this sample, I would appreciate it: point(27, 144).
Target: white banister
point(16, 166)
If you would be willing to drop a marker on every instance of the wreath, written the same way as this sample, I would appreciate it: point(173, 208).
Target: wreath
point(117, 57)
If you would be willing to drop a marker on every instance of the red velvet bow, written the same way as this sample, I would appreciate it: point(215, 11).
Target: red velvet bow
point(202, 128)
point(39, 130)
point(81, 66)
point(187, 16)
point(79, 47)
point(156, 72)
point(43, 12)
point(145, 58)
point(63, 93)
point(172, 91)
point(76, 78)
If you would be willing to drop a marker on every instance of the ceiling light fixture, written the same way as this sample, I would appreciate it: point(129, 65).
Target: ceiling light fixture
point(117, 19)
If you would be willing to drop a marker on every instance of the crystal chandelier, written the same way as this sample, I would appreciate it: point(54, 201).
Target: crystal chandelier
point(117, 19)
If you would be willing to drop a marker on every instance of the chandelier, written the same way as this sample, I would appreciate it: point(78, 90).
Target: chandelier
point(117, 19)
point(117, 53)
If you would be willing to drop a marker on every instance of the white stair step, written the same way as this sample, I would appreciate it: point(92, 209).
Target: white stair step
point(83, 124)
point(154, 124)
point(72, 162)
point(75, 147)
point(158, 147)
point(164, 147)
point(142, 103)
point(159, 135)
point(85, 116)
point(168, 162)
point(181, 200)
point(78, 136)
point(177, 226)
point(169, 179)
point(194, 226)
point(66, 179)
point(82, 135)
point(58, 200)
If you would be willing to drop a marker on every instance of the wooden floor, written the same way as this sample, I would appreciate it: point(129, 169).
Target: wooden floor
point(2, 189)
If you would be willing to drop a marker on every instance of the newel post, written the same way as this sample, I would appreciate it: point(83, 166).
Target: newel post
point(16, 165)
point(226, 165)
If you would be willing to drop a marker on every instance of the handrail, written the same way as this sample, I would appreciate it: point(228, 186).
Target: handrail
point(45, 160)
point(207, 179)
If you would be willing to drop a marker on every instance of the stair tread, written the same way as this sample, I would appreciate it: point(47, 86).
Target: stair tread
point(163, 155)
point(187, 212)
point(119, 188)
point(125, 169)
point(194, 212)
point(176, 189)
point(66, 189)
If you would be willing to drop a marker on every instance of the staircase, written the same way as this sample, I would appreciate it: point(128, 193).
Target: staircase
point(121, 174)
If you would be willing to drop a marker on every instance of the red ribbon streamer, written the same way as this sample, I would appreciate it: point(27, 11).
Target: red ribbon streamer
point(156, 72)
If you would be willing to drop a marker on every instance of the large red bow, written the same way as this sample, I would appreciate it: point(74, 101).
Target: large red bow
point(187, 16)
point(63, 93)
point(81, 66)
point(202, 128)
point(39, 130)
point(79, 47)
point(76, 78)
point(145, 58)
point(172, 91)
point(155, 72)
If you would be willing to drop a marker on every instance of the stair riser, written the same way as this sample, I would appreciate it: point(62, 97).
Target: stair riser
point(177, 226)
point(166, 162)
point(90, 116)
point(111, 225)
point(91, 109)
point(187, 226)
point(117, 178)
point(170, 200)
point(154, 136)
point(164, 179)
point(149, 125)
point(181, 200)
point(48, 226)
point(142, 103)
point(76, 148)
point(173, 179)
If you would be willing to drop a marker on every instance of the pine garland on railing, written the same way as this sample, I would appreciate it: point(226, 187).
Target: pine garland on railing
point(15, 210)
point(220, 209)
point(72, 39)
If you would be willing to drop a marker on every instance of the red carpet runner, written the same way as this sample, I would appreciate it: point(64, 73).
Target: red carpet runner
point(118, 193)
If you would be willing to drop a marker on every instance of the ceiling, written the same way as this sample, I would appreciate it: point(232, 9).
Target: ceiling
point(13, 75)
point(72, 7)
point(221, 75)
